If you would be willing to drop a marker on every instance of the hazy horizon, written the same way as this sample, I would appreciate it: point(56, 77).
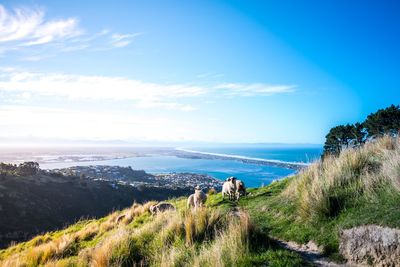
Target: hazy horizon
point(52, 143)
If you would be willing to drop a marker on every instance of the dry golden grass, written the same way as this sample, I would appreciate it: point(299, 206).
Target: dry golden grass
point(172, 238)
point(43, 250)
point(88, 232)
point(204, 237)
point(43, 253)
point(40, 240)
point(110, 223)
point(63, 263)
point(189, 228)
point(324, 187)
point(229, 246)
point(100, 256)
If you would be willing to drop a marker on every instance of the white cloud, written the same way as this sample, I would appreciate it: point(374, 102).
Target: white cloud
point(142, 94)
point(166, 105)
point(122, 40)
point(145, 95)
point(253, 89)
point(102, 107)
point(28, 30)
point(29, 27)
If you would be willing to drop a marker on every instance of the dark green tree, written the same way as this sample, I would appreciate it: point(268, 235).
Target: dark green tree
point(384, 121)
point(28, 168)
point(344, 136)
point(359, 134)
point(337, 138)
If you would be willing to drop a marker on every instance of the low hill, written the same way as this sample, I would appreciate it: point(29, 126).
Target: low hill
point(32, 204)
point(359, 187)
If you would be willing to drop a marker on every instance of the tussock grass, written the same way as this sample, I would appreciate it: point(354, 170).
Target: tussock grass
point(360, 186)
point(171, 237)
point(132, 237)
point(336, 183)
point(229, 246)
point(67, 247)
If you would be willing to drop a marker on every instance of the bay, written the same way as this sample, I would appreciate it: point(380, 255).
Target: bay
point(254, 175)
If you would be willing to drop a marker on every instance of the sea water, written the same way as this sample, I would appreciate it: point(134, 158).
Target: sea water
point(253, 175)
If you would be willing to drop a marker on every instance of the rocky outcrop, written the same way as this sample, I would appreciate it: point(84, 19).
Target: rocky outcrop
point(371, 245)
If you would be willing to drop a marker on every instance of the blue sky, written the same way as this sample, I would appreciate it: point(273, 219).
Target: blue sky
point(215, 71)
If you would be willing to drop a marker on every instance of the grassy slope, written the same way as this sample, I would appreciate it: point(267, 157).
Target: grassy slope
point(30, 205)
point(213, 236)
point(279, 216)
point(359, 187)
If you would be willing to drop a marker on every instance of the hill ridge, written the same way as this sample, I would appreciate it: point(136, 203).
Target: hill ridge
point(359, 187)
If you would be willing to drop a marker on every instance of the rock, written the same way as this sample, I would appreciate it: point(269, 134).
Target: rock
point(371, 245)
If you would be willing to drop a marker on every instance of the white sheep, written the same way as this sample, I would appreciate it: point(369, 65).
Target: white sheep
point(190, 201)
point(199, 197)
point(229, 188)
point(161, 207)
point(240, 189)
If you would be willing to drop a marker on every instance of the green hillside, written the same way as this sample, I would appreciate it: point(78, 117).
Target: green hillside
point(32, 203)
point(361, 186)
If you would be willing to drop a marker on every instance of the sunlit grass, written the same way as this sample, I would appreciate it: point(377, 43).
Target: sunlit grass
point(210, 236)
point(361, 186)
point(358, 187)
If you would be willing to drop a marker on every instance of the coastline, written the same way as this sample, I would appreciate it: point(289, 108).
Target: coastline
point(187, 153)
point(178, 160)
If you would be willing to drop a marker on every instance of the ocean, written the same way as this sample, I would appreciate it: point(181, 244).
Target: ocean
point(287, 154)
point(254, 175)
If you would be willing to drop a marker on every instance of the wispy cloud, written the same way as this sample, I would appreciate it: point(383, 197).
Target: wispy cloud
point(252, 89)
point(29, 29)
point(122, 40)
point(144, 95)
point(82, 106)
point(166, 105)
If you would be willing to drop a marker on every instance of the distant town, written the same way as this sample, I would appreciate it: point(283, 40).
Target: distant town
point(139, 178)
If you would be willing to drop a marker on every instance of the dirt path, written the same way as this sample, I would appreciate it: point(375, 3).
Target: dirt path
point(310, 253)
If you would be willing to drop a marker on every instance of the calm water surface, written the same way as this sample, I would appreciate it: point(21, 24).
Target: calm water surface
point(252, 174)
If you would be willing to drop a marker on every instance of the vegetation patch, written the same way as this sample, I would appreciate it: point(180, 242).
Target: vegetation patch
point(361, 186)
